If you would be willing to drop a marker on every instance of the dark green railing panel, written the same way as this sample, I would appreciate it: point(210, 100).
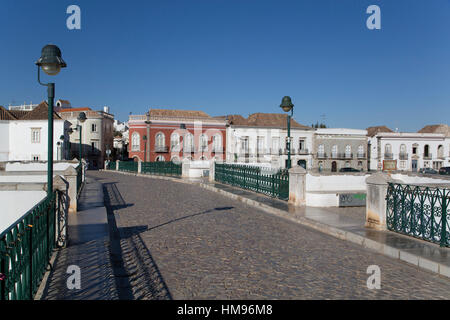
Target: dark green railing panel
point(79, 178)
point(161, 168)
point(130, 166)
point(254, 178)
point(25, 250)
point(419, 211)
point(111, 165)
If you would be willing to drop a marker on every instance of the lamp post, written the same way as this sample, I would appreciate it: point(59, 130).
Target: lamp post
point(145, 148)
point(81, 118)
point(51, 62)
point(286, 105)
point(147, 122)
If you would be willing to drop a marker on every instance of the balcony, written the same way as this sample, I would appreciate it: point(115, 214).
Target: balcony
point(302, 151)
point(361, 155)
point(389, 156)
point(427, 156)
point(217, 149)
point(341, 155)
point(321, 155)
point(161, 149)
point(403, 156)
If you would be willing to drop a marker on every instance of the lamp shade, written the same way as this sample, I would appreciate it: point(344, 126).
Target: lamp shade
point(51, 60)
point(82, 117)
point(286, 104)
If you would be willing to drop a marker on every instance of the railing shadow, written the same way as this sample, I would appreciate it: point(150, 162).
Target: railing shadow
point(136, 274)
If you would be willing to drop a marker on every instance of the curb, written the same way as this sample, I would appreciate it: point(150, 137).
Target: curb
point(422, 263)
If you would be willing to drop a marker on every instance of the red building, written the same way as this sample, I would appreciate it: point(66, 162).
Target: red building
point(165, 135)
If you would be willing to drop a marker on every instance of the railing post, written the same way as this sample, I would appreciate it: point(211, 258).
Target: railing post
point(139, 170)
point(117, 165)
point(444, 241)
point(376, 202)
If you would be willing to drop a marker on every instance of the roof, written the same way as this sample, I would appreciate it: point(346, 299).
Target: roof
point(177, 113)
point(436, 128)
point(6, 114)
point(19, 114)
point(372, 131)
point(76, 109)
point(64, 101)
point(272, 120)
point(236, 119)
point(40, 113)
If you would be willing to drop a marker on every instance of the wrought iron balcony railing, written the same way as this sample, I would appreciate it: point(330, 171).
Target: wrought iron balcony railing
point(389, 156)
point(361, 155)
point(161, 149)
point(302, 151)
point(427, 156)
point(341, 155)
point(403, 156)
point(321, 155)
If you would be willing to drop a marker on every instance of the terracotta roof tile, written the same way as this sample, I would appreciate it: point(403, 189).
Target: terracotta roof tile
point(372, 131)
point(6, 114)
point(75, 109)
point(436, 128)
point(178, 113)
point(19, 114)
point(273, 120)
point(40, 113)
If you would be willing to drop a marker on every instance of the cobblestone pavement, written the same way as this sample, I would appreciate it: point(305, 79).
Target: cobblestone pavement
point(202, 245)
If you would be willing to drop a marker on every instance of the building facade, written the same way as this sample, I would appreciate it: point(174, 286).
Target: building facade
point(336, 148)
point(97, 135)
point(174, 135)
point(25, 138)
point(409, 151)
point(261, 138)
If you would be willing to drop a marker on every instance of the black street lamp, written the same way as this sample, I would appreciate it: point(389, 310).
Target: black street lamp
point(145, 148)
point(51, 62)
point(286, 105)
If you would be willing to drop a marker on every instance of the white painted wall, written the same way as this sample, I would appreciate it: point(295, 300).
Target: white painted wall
point(20, 144)
point(15, 204)
point(235, 133)
point(4, 140)
point(335, 182)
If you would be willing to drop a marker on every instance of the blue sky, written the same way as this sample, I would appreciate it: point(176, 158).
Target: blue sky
point(238, 57)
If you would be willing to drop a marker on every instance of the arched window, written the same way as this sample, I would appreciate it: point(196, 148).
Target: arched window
point(175, 160)
point(348, 151)
point(217, 143)
point(334, 151)
point(188, 142)
point(321, 150)
point(360, 151)
point(426, 151)
point(203, 142)
point(402, 148)
point(175, 142)
point(135, 142)
point(160, 139)
point(440, 151)
point(160, 158)
point(388, 151)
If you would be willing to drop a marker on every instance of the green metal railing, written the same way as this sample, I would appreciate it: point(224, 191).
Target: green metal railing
point(130, 166)
point(419, 211)
point(254, 178)
point(25, 250)
point(161, 167)
point(111, 165)
point(79, 178)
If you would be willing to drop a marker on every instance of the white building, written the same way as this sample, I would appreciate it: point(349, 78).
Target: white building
point(337, 148)
point(411, 151)
point(23, 107)
point(261, 138)
point(26, 138)
point(97, 134)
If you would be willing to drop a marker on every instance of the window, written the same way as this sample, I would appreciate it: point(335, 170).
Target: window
point(334, 151)
point(94, 127)
point(217, 143)
point(301, 144)
point(360, 151)
point(135, 142)
point(94, 146)
point(203, 142)
point(321, 150)
point(160, 139)
point(275, 145)
point(348, 151)
point(260, 145)
point(244, 144)
point(160, 158)
point(426, 151)
point(188, 142)
point(402, 148)
point(414, 150)
point(35, 135)
point(175, 142)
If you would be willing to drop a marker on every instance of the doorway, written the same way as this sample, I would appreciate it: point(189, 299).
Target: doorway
point(333, 166)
